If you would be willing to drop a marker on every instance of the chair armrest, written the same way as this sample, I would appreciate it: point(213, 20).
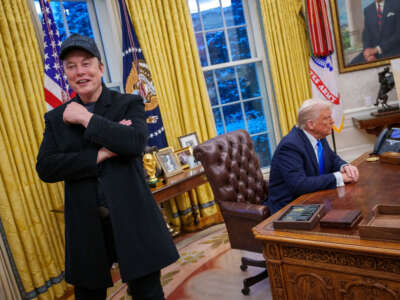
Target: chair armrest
point(244, 210)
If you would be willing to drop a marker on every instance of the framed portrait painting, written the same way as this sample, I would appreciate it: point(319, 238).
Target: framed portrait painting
point(189, 140)
point(367, 34)
point(168, 161)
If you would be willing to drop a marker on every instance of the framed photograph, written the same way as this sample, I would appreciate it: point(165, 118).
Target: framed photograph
point(358, 32)
point(184, 155)
point(189, 140)
point(168, 161)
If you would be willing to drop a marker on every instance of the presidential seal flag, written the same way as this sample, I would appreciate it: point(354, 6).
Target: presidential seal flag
point(323, 82)
point(56, 88)
point(137, 79)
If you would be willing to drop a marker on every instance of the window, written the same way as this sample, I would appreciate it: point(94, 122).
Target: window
point(70, 16)
point(233, 62)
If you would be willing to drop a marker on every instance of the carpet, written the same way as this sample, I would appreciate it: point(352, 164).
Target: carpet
point(195, 252)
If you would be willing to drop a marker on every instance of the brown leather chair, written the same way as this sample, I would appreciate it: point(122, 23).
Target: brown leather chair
point(233, 171)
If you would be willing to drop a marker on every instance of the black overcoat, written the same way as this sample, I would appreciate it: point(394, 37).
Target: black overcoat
point(68, 153)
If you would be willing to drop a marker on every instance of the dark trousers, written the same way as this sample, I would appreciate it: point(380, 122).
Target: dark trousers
point(144, 288)
point(147, 287)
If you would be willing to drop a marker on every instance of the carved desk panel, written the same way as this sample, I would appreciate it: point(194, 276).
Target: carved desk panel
point(333, 264)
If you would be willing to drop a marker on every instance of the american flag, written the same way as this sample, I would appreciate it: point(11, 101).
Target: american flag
point(56, 88)
point(318, 28)
point(137, 79)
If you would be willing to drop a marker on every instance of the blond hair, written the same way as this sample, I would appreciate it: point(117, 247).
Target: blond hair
point(310, 110)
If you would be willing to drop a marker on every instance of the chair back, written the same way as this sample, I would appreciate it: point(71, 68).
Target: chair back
point(232, 168)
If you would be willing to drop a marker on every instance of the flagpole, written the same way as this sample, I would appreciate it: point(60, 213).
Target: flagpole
point(333, 140)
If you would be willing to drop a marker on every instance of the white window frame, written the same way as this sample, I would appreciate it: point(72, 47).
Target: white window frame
point(260, 58)
point(110, 27)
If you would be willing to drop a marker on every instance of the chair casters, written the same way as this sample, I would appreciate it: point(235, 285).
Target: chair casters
point(248, 282)
point(245, 291)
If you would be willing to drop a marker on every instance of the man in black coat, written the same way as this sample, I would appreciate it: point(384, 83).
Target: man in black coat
point(381, 34)
point(94, 143)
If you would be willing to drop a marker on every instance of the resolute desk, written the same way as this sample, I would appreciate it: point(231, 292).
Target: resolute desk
point(335, 263)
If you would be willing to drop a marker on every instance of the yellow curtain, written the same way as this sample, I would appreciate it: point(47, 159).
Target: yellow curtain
point(288, 52)
point(31, 231)
point(8, 285)
point(166, 36)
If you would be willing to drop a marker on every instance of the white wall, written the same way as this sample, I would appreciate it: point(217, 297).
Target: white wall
point(354, 87)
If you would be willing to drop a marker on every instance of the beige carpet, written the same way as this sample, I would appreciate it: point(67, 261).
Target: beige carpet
point(207, 269)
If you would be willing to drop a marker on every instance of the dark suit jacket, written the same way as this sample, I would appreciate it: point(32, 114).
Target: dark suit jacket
point(68, 153)
point(388, 39)
point(294, 170)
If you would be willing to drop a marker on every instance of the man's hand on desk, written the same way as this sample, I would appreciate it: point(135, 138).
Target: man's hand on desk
point(350, 173)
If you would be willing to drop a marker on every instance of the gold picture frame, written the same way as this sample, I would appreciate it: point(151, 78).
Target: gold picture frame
point(183, 156)
point(348, 27)
point(187, 140)
point(168, 161)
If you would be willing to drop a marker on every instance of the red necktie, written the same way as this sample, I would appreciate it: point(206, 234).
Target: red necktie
point(379, 15)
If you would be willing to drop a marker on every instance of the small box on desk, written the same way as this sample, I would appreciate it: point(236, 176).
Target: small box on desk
point(384, 224)
point(300, 217)
point(341, 218)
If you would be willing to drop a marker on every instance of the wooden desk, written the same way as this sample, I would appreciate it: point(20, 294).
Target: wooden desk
point(335, 263)
point(374, 125)
point(179, 184)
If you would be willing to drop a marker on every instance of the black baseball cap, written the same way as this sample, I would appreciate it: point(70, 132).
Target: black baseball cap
point(77, 41)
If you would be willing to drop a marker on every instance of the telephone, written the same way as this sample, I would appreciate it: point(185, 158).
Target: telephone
point(388, 141)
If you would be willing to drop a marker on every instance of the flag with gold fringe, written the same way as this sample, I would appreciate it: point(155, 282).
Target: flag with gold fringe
point(324, 86)
point(137, 79)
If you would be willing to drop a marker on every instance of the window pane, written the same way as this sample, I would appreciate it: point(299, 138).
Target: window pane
point(217, 47)
point(255, 117)
point(211, 14)
point(76, 13)
point(78, 19)
point(218, 121)
point(233, 117)
point(262, 148)
point(212, 91)
point(233, 12)
point(239, 43)
point(201, 48)
point(248, 81)
point(227, 86)
point(194, 11)
point(236, 90)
